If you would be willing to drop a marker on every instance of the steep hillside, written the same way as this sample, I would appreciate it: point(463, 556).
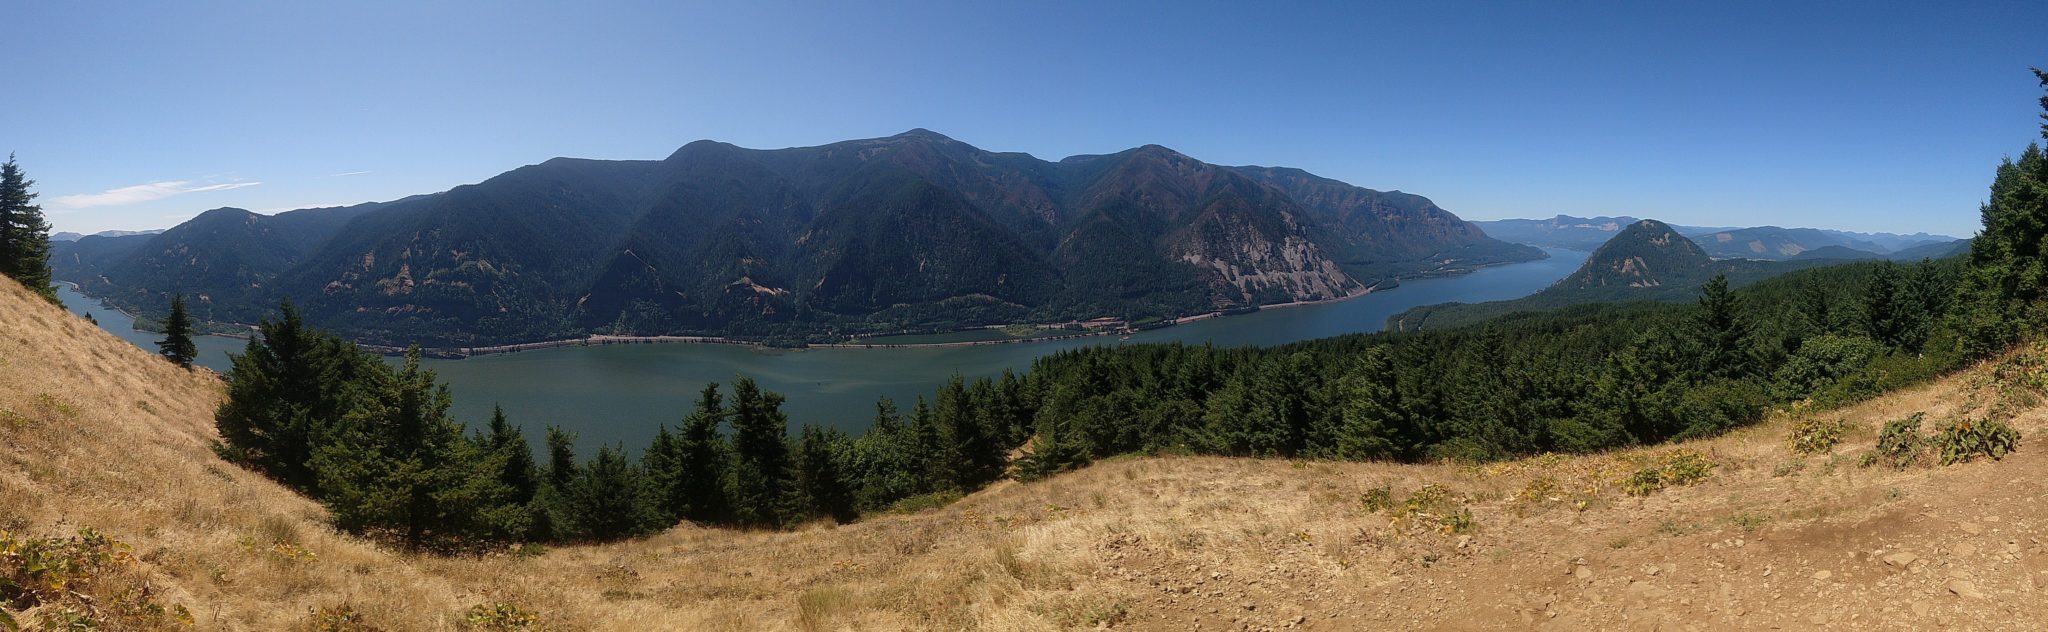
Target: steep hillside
point(1377, 235)
point(98, 434)
point(911, 232)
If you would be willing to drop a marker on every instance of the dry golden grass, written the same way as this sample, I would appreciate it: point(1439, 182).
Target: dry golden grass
point(96, 433)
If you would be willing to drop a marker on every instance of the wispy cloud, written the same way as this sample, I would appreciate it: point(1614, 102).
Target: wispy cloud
point(139, 193)
point(344, 174)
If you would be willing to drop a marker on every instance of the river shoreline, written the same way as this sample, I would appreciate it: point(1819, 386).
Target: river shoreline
point(456, 353)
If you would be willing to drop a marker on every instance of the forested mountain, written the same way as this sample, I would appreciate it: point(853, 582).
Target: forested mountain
point(1648, 253)
point(1770, 243)
point(911, 232)
point(1647, 261)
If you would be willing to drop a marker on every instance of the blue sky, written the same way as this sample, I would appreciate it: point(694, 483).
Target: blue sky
point(1866, 116)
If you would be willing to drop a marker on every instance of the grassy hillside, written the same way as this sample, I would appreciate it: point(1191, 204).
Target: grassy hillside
point(97, 434)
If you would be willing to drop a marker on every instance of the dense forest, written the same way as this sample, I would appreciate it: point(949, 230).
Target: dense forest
point(376, 443)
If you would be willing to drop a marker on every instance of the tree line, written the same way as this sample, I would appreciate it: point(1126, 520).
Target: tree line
point(376, 444)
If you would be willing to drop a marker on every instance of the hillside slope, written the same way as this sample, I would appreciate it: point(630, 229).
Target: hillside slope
point(96, 433)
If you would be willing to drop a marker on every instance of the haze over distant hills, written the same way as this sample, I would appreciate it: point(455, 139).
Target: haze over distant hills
point(913, 231)
point(1770, 243)
point(70, 236)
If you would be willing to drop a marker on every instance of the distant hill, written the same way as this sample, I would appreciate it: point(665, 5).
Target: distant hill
point(1646, 254)
point(225, 260)
point(1936, 250)
point(1769, 243)
point(70, 236)
point(1835, 252)
point(1646, 261)
point(911, 232)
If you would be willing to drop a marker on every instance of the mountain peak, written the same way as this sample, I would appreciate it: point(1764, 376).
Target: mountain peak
point(1648, 253)
point(919, 132)
point(700, 147)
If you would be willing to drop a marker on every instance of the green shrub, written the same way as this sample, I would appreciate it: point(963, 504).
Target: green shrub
point(1888, 373)
point(1378, 499)
point(1720, 406)
point(78, 583)
point(339, 618)
point(1643, 482)
point(1816, 436)
point(1899, 444)
point(499, 617)
point(1457, 522)
point(1678, 467)
point(1966, 439)
point(1820, 362)
point(922, 502)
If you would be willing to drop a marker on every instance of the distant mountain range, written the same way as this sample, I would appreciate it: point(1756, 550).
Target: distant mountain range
point(1769, 243)
point(911, 232)
point(70, 236)
point(1648, 260)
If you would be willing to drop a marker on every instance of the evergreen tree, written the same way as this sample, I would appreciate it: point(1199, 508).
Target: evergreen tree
point(2004, 293)
point(287, 391)
point(702, 459)
point(1888, 315)
point(972, 455)
point(1054, 450)
point(561, 458)
point(662, 463)
point(1722, 332)
point(516, 468)
point(762, 491)
point(885, 464)
point(1817, 307)
point(608, 498)
point(177, 343)
point(400, 465)
point(24, 235)
point(821, 474)
point(931, 459)
point(1367, 420)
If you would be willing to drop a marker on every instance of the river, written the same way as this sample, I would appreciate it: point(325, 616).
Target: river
point(618, 394)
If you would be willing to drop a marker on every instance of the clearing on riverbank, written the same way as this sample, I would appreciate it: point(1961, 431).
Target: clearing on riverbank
point(1737, 532)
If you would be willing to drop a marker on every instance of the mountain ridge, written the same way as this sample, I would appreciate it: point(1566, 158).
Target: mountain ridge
point(906, 232)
